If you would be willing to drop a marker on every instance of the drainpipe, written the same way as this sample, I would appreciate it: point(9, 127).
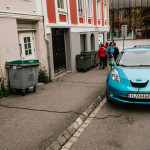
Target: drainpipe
point(44, 10)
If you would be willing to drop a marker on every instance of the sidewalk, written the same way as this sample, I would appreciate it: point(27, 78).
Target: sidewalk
point(33, 128)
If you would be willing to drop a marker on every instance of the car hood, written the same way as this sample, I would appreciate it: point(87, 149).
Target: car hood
point(135, 75)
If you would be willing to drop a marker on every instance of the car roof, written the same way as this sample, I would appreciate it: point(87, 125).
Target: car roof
point(137, 49)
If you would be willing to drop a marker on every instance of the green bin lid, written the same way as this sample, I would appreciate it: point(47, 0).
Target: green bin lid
point(23, 62)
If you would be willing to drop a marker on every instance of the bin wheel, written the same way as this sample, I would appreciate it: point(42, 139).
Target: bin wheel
point(34, 89)
point(23, 92)
point(13, 91)
point(18, 91)
point(27, 89)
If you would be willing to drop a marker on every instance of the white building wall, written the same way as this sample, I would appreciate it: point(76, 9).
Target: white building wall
point(9, 45)
point(24, 11)
point(21, 6)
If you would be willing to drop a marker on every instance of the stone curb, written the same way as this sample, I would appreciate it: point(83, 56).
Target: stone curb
point(39, 84)
point(66, 135)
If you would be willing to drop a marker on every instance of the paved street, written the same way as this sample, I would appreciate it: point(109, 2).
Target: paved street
point(25, 129)
point(128, 132)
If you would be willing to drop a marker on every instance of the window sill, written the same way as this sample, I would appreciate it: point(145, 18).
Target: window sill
point(81, 14)
point(62, 11)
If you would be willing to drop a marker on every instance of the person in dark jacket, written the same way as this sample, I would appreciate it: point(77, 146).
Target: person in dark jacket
point(106, 45)
point(102, 55)
point(116, 51)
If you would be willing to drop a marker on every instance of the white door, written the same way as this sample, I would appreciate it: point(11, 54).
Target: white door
point(27, 45)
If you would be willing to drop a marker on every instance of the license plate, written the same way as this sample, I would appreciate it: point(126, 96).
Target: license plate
point(139, 96)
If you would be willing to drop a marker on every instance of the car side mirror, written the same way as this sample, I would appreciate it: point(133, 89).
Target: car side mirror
point(111, 63)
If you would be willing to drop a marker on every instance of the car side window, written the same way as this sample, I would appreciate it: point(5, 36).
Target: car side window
point(119, 57)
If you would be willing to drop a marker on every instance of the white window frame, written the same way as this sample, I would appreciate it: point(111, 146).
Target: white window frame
point(80, 7)
point(89, 8)
point(62, 4)
point(99, 10)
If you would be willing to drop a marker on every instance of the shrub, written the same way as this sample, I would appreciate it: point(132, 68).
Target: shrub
point(4, 89)
point(43, 77)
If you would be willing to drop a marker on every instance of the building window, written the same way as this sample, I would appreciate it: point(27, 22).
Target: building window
point(134, 14)
point(83, 42)
point(89, 7)
point(27, 46)
point(99, 10)
point(60, 4)
point(105, 12)
point(138, 3)
point(144, 3)
point(80, 6)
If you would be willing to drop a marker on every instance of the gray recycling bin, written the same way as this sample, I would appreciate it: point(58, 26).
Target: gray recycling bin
point(23, 74)
point(83, 63)
point(92, 57)
point(97, 60)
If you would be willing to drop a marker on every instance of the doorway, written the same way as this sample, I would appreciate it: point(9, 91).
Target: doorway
point(100, 38)
point(141, 34)
point(92, 42)
point(59, 55)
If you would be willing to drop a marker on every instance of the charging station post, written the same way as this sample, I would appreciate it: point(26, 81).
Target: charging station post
point(124, 33)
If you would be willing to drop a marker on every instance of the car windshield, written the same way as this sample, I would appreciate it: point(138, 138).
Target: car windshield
point(134, 59)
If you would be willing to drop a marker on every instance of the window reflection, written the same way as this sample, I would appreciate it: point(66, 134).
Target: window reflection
point(133, 13)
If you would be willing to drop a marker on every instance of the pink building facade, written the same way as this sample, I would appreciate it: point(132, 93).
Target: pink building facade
point(73, 26)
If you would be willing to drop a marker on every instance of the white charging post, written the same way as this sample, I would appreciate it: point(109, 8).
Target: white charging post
point(124, 33)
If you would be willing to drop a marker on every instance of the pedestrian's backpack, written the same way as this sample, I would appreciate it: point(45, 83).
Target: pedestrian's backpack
point(109, 53)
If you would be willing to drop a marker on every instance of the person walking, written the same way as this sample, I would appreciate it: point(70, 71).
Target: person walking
point(102, 55)
point(106, 46)
point(116, 51)
point(110, 54)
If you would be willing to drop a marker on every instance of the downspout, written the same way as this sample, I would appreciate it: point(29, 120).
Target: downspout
point(46, 38)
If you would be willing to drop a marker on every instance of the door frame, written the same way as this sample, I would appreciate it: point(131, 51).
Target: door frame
point(58, 70)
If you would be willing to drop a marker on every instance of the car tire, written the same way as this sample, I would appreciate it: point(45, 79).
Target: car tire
point(108, 98)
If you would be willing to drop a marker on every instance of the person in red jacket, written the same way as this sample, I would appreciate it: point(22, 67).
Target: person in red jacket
point(102, 55)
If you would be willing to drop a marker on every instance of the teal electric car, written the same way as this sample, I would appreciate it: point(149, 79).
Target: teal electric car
point(129, 79)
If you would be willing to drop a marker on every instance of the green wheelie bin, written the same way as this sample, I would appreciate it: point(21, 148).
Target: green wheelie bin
point(23, 74)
